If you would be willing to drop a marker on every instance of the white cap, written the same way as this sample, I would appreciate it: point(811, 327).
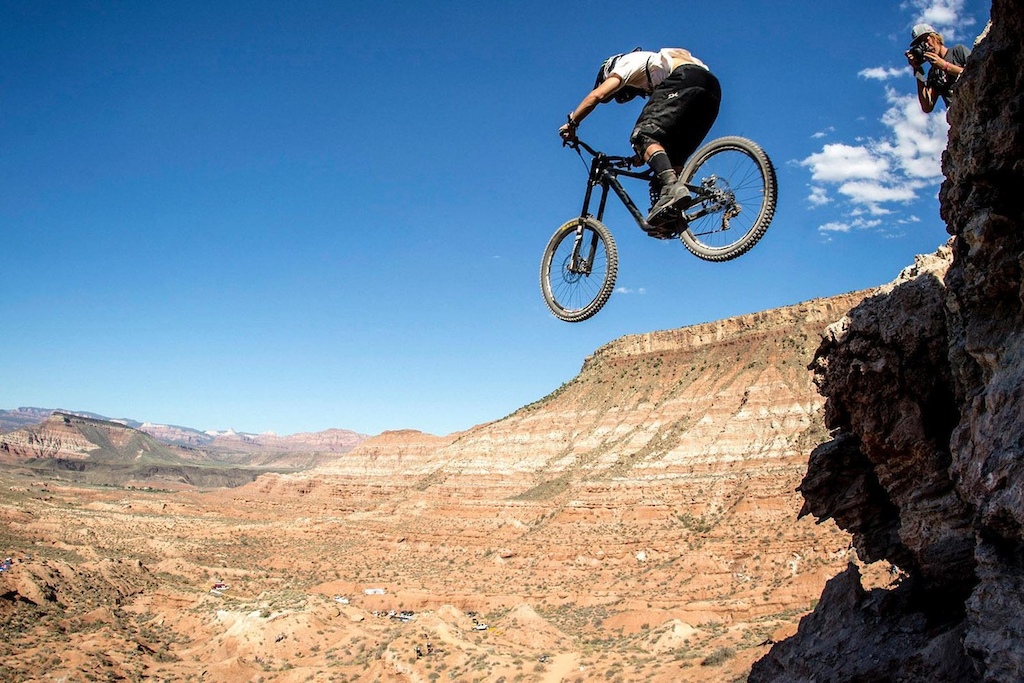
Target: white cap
point(920, 31)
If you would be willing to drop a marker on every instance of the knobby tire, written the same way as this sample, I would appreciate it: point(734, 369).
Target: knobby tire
point(575, 296)
point(746, 171)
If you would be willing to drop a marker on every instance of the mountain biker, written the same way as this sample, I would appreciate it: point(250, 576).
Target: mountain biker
point(947, 63)
point(684, 97)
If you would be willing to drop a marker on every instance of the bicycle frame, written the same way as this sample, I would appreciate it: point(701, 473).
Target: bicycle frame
point(604, 172)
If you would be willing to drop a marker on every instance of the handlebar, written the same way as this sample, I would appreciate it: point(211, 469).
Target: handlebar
point(620, 162)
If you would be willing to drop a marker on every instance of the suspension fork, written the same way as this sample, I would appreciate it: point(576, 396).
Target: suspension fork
point(597, 177)
point(583, 254)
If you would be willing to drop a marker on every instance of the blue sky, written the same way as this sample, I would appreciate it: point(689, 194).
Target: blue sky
point(289, 217)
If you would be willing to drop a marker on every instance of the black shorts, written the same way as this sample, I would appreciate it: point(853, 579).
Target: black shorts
point(679, 113)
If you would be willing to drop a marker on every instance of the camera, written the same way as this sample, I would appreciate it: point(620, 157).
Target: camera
point(916, 52)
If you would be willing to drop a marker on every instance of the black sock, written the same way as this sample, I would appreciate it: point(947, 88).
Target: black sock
point(662, 167)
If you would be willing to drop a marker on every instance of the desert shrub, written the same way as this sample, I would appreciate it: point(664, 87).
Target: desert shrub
point(719, 656)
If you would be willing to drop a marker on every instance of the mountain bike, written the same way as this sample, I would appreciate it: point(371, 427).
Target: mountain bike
point(734, 193)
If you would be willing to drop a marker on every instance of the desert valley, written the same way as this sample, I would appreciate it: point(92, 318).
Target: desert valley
point(640, 523)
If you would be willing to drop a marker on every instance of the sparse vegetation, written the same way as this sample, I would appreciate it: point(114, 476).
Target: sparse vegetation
point(718, 657)
point(571, 586)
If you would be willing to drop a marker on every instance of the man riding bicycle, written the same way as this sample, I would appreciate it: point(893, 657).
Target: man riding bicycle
point(684, 97)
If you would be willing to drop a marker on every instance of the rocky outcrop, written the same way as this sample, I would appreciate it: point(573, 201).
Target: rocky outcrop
point(885, 478)
point(924, 383)
point(327, 441)
point(77, 448)
point(983, 206)
point(65, 436)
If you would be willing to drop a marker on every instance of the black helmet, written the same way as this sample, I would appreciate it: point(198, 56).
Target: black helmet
point(607, 66)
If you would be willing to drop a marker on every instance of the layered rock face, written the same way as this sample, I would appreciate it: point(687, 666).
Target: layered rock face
point(645, 410)
point(923, 385)
point(654, 492)
point(66, 436)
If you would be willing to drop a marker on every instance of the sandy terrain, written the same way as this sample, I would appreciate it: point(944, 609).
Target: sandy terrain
point(111, 583)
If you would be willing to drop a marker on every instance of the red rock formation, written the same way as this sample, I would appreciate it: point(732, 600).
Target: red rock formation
point(924, 387)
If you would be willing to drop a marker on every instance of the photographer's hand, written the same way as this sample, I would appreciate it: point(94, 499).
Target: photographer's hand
point(916, 65)
point(936, 61)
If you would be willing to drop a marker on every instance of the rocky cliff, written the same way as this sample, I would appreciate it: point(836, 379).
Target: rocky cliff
point(63, 436)
point(923, 383)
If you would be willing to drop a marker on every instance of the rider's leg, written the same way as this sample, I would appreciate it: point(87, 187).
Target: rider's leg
point(671, 191)
point(658, 160)
point(677, 117)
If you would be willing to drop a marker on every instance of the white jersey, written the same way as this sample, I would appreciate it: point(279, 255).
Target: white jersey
point(645, 70)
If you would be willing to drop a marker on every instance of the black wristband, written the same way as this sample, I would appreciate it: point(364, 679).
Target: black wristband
point(572, 124)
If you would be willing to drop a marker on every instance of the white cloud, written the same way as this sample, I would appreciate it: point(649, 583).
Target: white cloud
point(871, 182)
point(917, 138)
point(868, 209)
point(627, 290)
point(819, 196)
point(856, 224)
point(835, 227)
point(838, 162)
point(945, 16)
point(872, 192)
point(893, 169)
point(881, 73)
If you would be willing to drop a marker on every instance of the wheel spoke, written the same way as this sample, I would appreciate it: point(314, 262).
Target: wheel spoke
point(738, 187)
point(578, 270)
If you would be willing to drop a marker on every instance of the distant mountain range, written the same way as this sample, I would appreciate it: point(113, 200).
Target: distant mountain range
point(330, 440)
point(91, 447)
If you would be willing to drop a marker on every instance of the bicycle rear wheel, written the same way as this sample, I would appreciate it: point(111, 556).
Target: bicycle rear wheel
point(737, 198)
point(578, 270)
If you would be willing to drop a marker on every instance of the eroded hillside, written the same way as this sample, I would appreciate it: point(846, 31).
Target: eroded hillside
point(637, 523)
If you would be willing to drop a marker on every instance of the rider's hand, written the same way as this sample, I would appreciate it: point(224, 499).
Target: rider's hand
point(567, 133)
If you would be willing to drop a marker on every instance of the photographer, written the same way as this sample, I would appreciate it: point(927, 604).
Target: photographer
point(946, 65)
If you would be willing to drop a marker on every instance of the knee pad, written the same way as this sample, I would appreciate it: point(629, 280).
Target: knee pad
point(640, 141)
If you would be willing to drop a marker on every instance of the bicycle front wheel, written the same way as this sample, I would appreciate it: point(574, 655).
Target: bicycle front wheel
point(577, 273)
point(738, 194)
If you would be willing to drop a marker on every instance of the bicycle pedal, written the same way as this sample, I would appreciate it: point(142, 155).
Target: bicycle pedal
point(663, 233)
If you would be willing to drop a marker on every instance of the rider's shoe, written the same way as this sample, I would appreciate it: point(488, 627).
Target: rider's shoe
point(673, 199)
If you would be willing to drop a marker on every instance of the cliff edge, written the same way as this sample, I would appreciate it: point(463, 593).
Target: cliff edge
point(923, 385)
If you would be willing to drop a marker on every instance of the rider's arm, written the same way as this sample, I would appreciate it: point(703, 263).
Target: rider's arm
point(602, 93)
